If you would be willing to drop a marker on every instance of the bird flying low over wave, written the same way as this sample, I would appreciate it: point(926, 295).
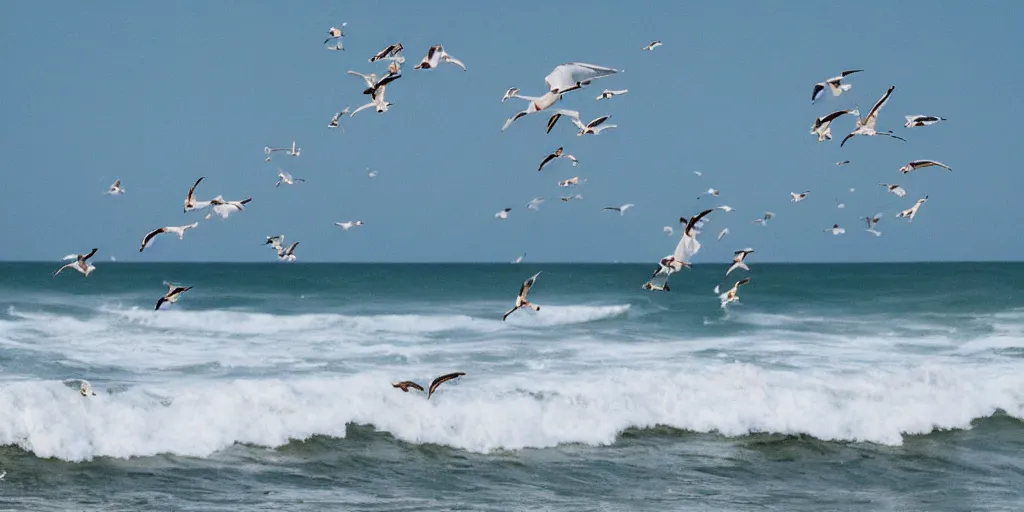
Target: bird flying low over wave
point(521, 301)
point(178, 230)
point(435, 55)
point(919, 120)
point(651, 46)
point(895, 189)
point(822, 126)
point(347, 225)
point(405, 385)
point(115, 188)
point(737, 260)
point(80, 264)
point(650, 286)
point(733, 294)
point(621, 209)
point(172, 295)
point(564, 78)
point(686, 248)
point(558, 154)
point(866, 126)
point(608, 93)
point(911, 212)
point(835, 84)
point(921, 164)
point(391, 52)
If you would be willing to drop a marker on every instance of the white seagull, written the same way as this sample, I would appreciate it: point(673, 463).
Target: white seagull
point(686, 248)
point(866, 125)
point(651, 46)
point(594, 127)
point(173, 292)
point(722, 233)
point(335, 34)
point(292, 151)
point(799, 197)
point(895, 189)
point(191, 203)
point(711, 192)
point(667, 230)
point(80, 264)
point(836, 230)
point(178, 230)
point(839, 204)
point(372, 84)
point(392, 52)
point(621, 209)
point(535, 203)
point(608, 93)
point(737, 260)
point(275, 241)
point(835, 84)
point(570, 198)
point(503, 214)
point(226, 208)
point(115, 188)
point(521, 301)
point(725, 208)
point(575, 180)
point(288, 254)
point(733, 294)
point(435, 55)
point(347, 225)
point(519, 259)
point(872, 222)
point(919, 120)
point(336, 118)
point(564, 78)
point(377, 100)
point(558, 154)
point(920, 164)
point(286, 178)
point(822, 126)
point(764, 219)
point(911, 212)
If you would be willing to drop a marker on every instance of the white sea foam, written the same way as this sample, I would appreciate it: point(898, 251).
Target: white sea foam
point(483, 413)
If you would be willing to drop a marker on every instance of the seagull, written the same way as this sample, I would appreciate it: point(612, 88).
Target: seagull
point(115, 188)
point(911, 212)
point(608, 93)
point(621, 209)
point(834, 83)
point(872, 222)
point(667, 230)
point(842, 162)
point(558, 154)
point(920, 164)
point(173, 292)
point(224, 208)
point(372, 174)
point(178, 230)
point(722, 233)
point(190, 200)
point(287, 254)
point(405, 385)
point(822, 126)
point(337, 116)
point(656, 287)
point(725, 208)
point(687, 247)
point(764, 219)
point(564, 78)
point(799, 197)
point(534, 203)
point(293, 151)
point(698, 174)
point(275, 241)
point(594, 127)
point(919, 120)
point(336, 34)
point(866, 125)
point(286, 178)
point(372, 84)
point(737, 260)
point(651, 46)
point(519, 259)
point(80, 264)
point(521, 298)
point(895, 189)
point(836, 230)
point(839, 204)
point(710, 192)
point(434, 57)
point(392, 52)
point(377, 100)
point(347, 225)
point(502, 214)
point(575, 180)
point(733, 294)
point(570, 198)
point(85, 390)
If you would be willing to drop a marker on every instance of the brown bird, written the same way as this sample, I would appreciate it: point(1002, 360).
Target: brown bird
point(405, 385)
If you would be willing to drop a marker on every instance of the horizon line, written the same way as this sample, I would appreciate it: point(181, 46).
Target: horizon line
point(398, 262)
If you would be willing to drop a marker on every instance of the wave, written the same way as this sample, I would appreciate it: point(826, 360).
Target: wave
point(485, 413)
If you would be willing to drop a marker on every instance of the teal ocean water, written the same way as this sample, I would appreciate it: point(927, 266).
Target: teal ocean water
point(882, 387)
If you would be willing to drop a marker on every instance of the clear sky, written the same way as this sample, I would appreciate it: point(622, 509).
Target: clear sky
point(160, 93)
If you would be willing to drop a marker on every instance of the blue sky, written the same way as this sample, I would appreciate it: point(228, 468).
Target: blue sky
point(158, 94)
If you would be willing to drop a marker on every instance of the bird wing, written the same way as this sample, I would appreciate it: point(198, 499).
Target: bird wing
point(872, 117)
point(85, 257)
point(61, 269)
point(848, 137)
point(525, 289)
point(819, 88)
point(509, 312)
point(117, 184)
point(558, 115)
point(366, 78)
point(695, 219)
point(510, 120)
point(572, 74)
point(929, 163)
point(597, 122)
point(741, 282)
point(362, 108)
point(408, 384)
point(457, 62)
point(546, 160)
point(149, 237)
point(159, 302)
point(441, 380)
point(850, 72)
point(829, 118)
point(291, 248)
point(192, 191)
point(388, 78)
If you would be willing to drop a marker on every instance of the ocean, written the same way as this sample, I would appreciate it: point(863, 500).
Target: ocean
point(878, 387)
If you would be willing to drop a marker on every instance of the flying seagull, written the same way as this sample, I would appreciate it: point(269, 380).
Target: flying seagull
point(911, 212)
point(336, 118)
point(651, 46)
point(391, 52)
point(173, 292)
point(435, 55)
point(286, 178)
point(405, 385)
point(737, 260)
point(733, 294)
point(866, 125)
point(920, 164)
point(535, 203)
point(667, 230)
point(372, 84)
point(80, 264)
point(503, 214)
point(685, 249)
point(839, 204)
point(656, 287)
point(872, 222)
point(842, 162)
point(764, 219)
point(190, 200)
point(721, 234)
point(335, 34)
point(919, 120)
point(621, 209)
point(288, 254)
point(225, 208)
point(557, 154)
point(564, 78)
point(608, 93)
point(376, 100)
point(836, 230)
point(521, 301)
point(710, 192)
point(895, 189)
point(347, 225)
point(519, 259)
point(575, 180)
point(835, 84)
point(275, 241)
point(822, 126)
point(293, 151)
point(594, 127)
point(799, 197)
point(115, 188)
point(570, 198)
point(178, 230)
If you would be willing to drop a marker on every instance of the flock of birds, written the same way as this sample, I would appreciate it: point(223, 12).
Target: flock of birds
point(563, 79)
